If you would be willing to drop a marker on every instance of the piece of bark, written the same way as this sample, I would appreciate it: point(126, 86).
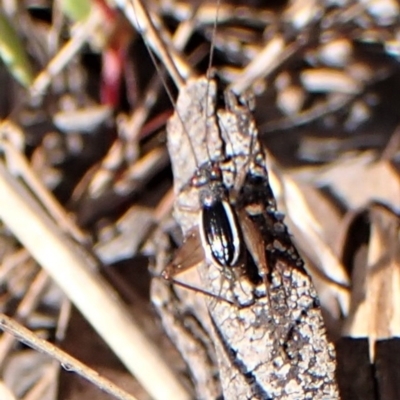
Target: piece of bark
point(268, 335)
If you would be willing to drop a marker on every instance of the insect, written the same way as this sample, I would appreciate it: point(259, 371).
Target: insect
point(215, 186)
point(267, 339)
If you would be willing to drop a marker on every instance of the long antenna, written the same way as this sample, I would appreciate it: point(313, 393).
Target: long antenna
point(156, 37)
point(210, 63)
point(141, 18)
point(164, 53)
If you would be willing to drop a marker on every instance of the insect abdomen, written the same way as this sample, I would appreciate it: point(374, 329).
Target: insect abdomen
point(220, 233)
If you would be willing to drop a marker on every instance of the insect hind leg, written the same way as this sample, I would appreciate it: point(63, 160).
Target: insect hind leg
point(230, 287)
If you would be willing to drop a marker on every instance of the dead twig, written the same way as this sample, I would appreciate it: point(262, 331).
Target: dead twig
point(68, 362)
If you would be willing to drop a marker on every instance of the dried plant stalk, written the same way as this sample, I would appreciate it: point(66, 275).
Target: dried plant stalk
point(67, 361)
point(74, 273)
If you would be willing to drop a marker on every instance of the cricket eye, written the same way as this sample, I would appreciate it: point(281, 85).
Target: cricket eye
point(215, 173)
point(198, 179)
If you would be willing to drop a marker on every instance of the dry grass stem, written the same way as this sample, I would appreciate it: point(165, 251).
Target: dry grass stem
point(97, 301)
point(24, 309)
point(158, 38)
point(67, 362)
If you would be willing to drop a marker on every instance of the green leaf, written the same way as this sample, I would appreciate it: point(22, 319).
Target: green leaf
point(77, 10)
point(13, 53)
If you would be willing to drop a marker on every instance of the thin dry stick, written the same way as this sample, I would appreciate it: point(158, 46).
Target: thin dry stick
point(148, 165)
point(91, 294)
point(21, 165)
point(265, 61)
point(269, 58)
point(157, 38)
point(164, 207)
point(80, 36)
point(68, 362)
point(47, 380)
point(27, 305)
point(141, 112)
point(11, 261)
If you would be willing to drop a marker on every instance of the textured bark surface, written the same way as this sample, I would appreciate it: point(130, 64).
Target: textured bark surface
point(268, 340)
